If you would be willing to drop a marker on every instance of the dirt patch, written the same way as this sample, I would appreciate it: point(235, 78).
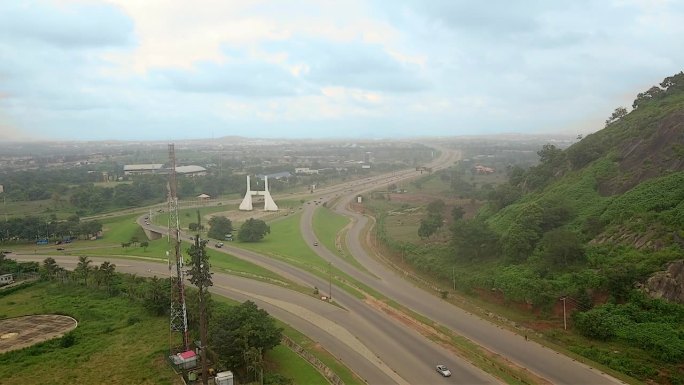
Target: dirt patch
point(21, 332)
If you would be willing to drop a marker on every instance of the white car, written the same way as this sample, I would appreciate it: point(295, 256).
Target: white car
point(441, 369)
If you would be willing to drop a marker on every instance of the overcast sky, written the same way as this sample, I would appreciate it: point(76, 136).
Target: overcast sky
point(177, 69)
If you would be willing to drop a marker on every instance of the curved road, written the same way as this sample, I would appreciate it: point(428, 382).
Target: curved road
point(546, 363)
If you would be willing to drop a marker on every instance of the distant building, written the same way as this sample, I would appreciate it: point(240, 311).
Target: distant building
point(191, 170)
point(140, 169)
point(480, 169)
point(277, 175)
point(305, 170)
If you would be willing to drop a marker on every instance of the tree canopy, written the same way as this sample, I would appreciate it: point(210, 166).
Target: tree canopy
point(253, 230)
point(237, 330)
point(219, 227)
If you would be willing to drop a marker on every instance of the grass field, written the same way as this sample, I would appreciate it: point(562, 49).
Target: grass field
point(43, 208)
point(116, 341)
point(327, 226)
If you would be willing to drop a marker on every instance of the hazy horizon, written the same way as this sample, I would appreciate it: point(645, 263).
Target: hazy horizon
point(167, 70)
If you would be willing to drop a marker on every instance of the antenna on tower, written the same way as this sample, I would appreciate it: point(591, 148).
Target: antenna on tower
point(178, 312)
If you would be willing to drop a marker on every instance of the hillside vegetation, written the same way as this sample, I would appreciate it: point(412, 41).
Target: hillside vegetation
point(588, 226)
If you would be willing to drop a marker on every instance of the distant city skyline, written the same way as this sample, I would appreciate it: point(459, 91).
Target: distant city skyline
point(175, 70)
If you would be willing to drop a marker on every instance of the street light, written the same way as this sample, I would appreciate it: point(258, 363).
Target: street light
point(565, 323)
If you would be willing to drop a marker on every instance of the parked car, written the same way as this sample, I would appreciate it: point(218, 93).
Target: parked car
point(443, 370)
point(219, 244)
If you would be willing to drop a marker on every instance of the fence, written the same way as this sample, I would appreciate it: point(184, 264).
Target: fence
point(313, 360)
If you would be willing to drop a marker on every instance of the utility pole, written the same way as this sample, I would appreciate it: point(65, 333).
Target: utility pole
point(330, 280)
point(565, 323)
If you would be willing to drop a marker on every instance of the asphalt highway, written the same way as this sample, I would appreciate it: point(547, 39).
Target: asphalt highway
point(546, 363)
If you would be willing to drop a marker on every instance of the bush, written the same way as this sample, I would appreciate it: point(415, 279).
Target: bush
point(67, 340)
point(600, 323)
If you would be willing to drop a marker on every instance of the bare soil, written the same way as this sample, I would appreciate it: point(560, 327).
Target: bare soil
point(20, 332)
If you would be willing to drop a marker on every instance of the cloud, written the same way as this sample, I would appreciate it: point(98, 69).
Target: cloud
point(243, 77)
point(353, 64)
point(91, 69)
point(65, 24)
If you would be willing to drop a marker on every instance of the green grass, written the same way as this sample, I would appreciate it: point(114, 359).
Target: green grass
point(290, 365)
point(286, 242)
point(41, 208)
point(117, 342)
point(327, 226)
point(118, 339)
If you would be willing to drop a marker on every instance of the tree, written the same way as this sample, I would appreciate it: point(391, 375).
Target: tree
point(473, 239)
point(50, 267)
point(618, 114)
point(426, 229)
point(255, 363)
point(105, 275)
point(219, 227)
point(561, 247)
point(436, 207)
point(518, 242)
point(83, 268)
point(235, 331)
point(253, 230)
point(156, 296)
point(200, 276)
point(144, 245)
point(457, 213)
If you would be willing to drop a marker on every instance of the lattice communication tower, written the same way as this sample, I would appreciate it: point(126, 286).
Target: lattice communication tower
point(178, 313)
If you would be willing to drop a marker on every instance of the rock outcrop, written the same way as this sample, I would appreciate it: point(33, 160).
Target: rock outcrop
point(668, 284)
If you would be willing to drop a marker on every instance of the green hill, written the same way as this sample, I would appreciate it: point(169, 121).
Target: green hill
point(592, 224)
point(583, 230)
point(622, 186)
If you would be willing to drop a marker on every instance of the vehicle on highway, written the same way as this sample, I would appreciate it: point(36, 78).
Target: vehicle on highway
point(60, 248)
point(443, 370)
point(315, 243)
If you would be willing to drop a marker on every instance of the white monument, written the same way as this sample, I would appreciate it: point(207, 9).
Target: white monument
point(269, 204)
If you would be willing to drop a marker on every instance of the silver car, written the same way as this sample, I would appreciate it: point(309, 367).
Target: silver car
point(443, 370)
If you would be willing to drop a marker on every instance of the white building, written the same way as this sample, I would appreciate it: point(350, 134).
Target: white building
point(191, 170)
point(140, 169)
point(305, 170)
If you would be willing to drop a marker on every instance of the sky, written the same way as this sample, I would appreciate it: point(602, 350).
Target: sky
point(178, 69)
